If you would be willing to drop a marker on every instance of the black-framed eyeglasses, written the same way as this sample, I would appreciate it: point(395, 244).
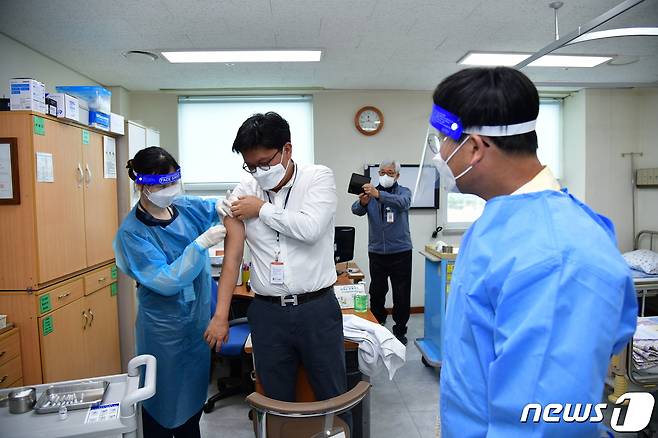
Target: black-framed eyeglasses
point(263, 167)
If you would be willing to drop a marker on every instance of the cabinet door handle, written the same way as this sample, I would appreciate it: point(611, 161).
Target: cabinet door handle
point(3, 379)
point(88, 173)
point(92, 318)
point(61, 297)
point(84, 315)
point(81, 175)
point(102, 279)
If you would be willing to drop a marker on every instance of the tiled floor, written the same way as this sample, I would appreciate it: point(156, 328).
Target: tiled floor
point(406, 407)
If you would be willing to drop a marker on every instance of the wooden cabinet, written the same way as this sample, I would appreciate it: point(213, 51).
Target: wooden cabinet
point(100, 196)
point(10, 359)
point(61, 331)
point(101, 339)
point(62, 226)
point(72, 328)
point(81, 339)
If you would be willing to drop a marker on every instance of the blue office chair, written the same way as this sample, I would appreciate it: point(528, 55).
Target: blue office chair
point(240, 364)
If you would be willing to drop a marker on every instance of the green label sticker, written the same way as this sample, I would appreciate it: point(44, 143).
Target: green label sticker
point(47, 325)
point(39, 126)
point(44, 303)
point(85, 136)
point(113, 272)
point(113, 289)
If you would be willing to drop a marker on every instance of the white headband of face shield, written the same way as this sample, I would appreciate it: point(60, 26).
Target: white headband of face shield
point(503, 130)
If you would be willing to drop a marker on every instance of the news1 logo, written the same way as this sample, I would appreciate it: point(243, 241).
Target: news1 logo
point(638, 414)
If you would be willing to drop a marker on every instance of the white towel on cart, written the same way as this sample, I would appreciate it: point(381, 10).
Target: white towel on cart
point(378, 348)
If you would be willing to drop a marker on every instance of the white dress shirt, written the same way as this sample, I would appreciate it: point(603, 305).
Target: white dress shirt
point(544, 180)
point(306, 232)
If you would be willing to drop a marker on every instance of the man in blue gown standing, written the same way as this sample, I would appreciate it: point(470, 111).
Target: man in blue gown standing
point(540, 297)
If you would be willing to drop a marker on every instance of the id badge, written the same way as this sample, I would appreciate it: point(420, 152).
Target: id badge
point(390, 218)
point(276, 272)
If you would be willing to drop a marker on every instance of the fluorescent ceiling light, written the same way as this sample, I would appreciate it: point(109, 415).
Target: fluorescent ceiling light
point(234, 56)
point(614, 33)
point(511, 59)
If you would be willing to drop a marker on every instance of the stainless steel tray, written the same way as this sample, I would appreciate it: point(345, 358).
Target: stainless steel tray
point(74, 396)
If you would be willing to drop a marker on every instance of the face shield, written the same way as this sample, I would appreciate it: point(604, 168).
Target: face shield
point(169, 187)
point(444, 127)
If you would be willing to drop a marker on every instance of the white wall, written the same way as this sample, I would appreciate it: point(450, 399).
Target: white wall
point(647, 142)
point(19, 61)
point(574, 144)
point(599, 126)
point(158, 111)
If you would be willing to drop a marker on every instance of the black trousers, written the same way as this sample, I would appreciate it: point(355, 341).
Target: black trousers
point(153, 429)
point(310, 334)
point(397, 267)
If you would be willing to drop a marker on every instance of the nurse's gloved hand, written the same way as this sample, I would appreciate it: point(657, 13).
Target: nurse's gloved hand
point(217, 332)
point(211, 237)
point(223, 207)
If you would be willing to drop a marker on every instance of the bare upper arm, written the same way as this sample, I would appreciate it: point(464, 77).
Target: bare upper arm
point(234, 241)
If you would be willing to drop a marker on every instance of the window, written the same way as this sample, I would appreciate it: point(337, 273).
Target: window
point(208, 125)
point(462, 210)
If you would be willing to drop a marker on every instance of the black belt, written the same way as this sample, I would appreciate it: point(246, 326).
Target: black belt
point(294, 300)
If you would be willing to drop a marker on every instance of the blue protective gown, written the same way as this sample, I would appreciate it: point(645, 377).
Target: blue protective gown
point(173, 276)
point(540, 299)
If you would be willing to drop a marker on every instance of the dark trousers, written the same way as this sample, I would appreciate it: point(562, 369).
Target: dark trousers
point(310, 334)
point(153, 429)
point(397, 267)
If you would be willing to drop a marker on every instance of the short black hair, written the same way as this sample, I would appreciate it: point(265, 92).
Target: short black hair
point(151, 161)
point(490, 97)
point(268, 130)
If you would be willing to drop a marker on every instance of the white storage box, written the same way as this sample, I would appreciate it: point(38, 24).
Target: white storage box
point(67, 106)
point(84, 112)
point(116, 123)
point(27, 94)
point(345, 294)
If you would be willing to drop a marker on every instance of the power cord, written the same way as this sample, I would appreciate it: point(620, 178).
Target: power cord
point(436, 232)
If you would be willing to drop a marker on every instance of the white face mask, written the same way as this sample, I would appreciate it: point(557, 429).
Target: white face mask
point(448, 179)
point(268, 179)
point(165, 197)
point(386, 181)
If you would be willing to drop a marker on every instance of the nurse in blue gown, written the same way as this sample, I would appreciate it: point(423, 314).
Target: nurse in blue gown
point(162, 244)
point(540, 297)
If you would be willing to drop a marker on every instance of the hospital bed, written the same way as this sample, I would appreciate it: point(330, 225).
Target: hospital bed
point(646, 286)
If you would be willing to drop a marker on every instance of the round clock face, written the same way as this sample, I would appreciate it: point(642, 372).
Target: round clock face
point(369, 120)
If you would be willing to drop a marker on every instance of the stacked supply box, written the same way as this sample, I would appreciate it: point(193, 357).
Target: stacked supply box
point(67, 106)
point(27, 94)
point(98, 100)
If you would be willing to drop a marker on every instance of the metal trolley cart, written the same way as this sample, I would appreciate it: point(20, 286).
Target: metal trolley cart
point(119, 414)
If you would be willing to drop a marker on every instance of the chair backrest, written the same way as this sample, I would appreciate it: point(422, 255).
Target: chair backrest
point(278, 419)
point(344, 244)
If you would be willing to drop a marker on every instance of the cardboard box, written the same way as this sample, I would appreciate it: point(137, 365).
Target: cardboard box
point(67, 106)
point(27, 94)
point(116, 123)
point(99, 120)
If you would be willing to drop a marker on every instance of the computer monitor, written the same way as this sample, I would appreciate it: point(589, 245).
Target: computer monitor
point(344, 244)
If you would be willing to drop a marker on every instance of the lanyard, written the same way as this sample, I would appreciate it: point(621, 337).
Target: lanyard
point(285, 204)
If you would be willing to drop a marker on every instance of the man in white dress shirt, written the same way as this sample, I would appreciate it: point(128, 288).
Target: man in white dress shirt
point(286, 211)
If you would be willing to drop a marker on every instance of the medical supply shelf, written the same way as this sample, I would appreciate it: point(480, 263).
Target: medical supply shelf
point(438, 275)
point(57, 278)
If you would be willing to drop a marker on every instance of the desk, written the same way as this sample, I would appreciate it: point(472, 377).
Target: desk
point(346, 277)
